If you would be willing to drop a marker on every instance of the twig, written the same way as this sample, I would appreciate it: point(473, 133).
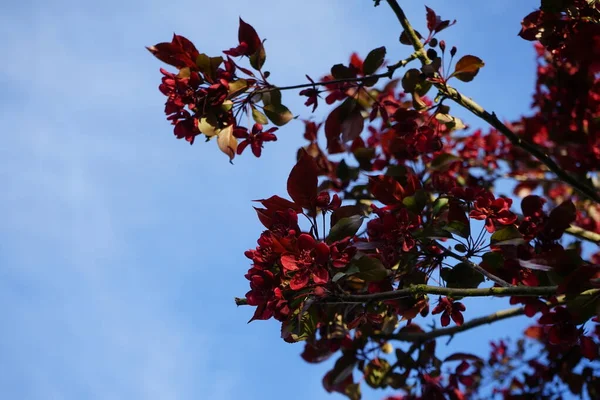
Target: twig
point(389, 74)
point(474, 266)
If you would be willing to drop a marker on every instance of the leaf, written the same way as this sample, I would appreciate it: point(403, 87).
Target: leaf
point(452, 123)
point(458, 228)
point(583, 308)
point(493, 260)
point(353, 391)
point(374, 60)
point(467, 68)
point(247, 34)
point(208, 125)
point(509, 235)
point(432, 19)
point(273, 96)
point(258, 58)
point(432, 233)
point(227, 142)
point(340, 71)
point(461, 276)
point(413, 81)
point(416, 202)
point(352, 126)
point(439, 205)
point(302, 181)
point(344, 211)
point(237, 87)
point(259, 117)
point(443, 161)
point(371, 269)
point(404, 39)
point(375, 372)
point(299, 328)
point(208, 65)
point(278, 114)
point(345, 227)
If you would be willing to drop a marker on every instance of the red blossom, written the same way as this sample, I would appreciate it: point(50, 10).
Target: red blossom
point(450, 309)
point(307, 262)
point(254, 139)
point(492, 210)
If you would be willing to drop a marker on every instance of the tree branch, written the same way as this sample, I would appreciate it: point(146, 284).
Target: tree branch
point(584, 234)
point(488, 319)
point(491, 118)
point(416, 290)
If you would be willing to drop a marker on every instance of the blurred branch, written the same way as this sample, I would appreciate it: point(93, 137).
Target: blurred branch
point(584, 234)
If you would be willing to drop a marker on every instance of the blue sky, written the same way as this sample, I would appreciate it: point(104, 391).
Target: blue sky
point(121, 248)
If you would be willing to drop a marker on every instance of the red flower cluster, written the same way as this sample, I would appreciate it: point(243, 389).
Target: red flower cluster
point(450, 309)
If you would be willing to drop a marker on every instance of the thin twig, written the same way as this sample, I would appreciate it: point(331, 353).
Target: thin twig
point(474, 266)
point(389, 74)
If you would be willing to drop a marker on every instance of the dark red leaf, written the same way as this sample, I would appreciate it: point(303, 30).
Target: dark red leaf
point(247, 34)
point(302, 182)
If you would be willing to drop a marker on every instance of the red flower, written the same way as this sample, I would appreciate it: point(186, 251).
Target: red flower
point(307, 263)
point(312, 94)
point(451, 309)
point(492, 210)
point(255, 138)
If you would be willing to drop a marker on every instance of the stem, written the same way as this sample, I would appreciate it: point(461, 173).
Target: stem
point(488, 319)
point(491, 118)
point(410, 32)
point(389, 74)
point(476, 267)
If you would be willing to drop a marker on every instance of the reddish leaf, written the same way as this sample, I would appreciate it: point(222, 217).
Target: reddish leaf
point(374, 60)
point(303, 180)
point(333, 128)
point(352, 126)
point(467, 68)
point(535, 332)
point(386, 189)
point(432, 19)
point(247, 34)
